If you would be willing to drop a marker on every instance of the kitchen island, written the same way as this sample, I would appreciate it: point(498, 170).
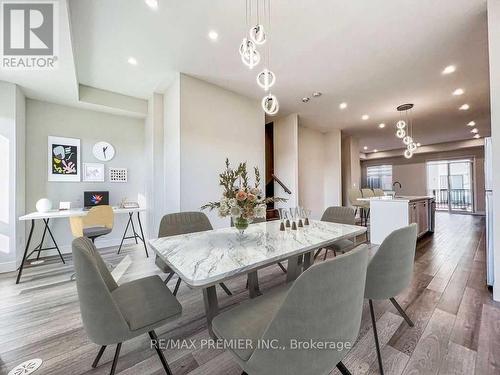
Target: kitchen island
point(390, 213)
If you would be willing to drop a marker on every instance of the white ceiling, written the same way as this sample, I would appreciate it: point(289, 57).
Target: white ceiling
point(374, 55)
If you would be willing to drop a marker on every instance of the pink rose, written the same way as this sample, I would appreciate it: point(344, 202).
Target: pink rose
point(251, 197)
point(241, 195)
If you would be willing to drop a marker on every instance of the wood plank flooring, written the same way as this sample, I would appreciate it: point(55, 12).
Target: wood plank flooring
point(457, 325)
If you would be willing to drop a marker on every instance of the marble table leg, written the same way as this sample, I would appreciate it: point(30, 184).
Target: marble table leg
point(308, 260)
point(211, 306)
point(253, 285)
point(294, 265)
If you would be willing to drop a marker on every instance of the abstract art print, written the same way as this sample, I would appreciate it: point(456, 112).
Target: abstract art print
point(93, 172)
point(63, 159)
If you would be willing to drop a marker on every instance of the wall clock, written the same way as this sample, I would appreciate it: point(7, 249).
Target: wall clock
point(103, 151)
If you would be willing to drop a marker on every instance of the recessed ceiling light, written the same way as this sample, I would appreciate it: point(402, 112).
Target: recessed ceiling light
point(449, 69)
point(212, 35)
point(471, 123)
point(132, 61)
point(375, 150)
point(475, 131)
point(343, 105)
point(153, 4)
point(317, 94)
point(458, 92)
point(464, 107)
point(418, 144)
point(305, 99)
point(381, 125)
point(365, 117)
point(476, 136)
point(365, 148)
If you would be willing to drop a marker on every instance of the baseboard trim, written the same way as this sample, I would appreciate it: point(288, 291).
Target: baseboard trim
point(8, 266)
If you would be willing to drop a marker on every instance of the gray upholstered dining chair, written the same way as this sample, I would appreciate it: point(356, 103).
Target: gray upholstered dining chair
point(307, 309)
point(341, 215)
point(112, 313)
point(389, 272)
point(182, 223)
point(378, 192)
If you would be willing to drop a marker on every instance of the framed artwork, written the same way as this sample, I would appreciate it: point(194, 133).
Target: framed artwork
point(118, 175)
point(63, 159)
point(93, 172)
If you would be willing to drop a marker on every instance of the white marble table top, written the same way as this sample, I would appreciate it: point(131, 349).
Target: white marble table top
point(207, 258)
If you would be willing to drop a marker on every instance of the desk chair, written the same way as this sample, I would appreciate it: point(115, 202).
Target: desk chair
point(112, 313)
point(389, 272)
point(182, 223)
point(324, 304)
point(98, 222)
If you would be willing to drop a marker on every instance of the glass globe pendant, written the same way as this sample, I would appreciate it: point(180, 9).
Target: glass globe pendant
point(257, 34)
point(400, 124)
point(266, 79)
point(412, 146)
point(246, 45)
point(407, 140)
point(270, 104)
point(408, 154)
point(400, 133)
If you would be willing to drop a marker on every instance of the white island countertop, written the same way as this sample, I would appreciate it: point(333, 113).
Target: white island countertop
point(403, 198)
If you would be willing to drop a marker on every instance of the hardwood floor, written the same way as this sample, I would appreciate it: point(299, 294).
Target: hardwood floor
point(457, 325)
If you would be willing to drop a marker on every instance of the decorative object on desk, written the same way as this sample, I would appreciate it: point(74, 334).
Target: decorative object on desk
point(103, 151)
point(63, 159)
point(93, 172)
point(64, 206)
point(240, 200)
point(118, 174)
point(128, 204)
point(43, 205)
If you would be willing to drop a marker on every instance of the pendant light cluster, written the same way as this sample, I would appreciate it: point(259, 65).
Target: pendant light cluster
point(404, 130)
point(251, 57)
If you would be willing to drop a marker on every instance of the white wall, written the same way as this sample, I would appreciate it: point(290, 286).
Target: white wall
point(12, 143)
point(494, 54)
point(286, 159)
point(333, 169)
point(319, 170)
point(204, 125)
point(124, 133)
point(312, 161)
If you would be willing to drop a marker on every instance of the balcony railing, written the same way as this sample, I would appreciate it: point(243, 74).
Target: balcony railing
point(456, 200)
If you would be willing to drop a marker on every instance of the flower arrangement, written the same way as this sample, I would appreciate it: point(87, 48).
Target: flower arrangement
point(240, 200)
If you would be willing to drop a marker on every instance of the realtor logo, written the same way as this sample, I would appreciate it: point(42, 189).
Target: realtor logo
point(29, 35)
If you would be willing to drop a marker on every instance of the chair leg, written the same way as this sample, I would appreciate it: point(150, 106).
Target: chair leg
point(99, 355)
point(375, 335)
point(170, 275)
point(282, 267)
point(226, 289)
point(176, 289)
point(115, 359)
point(334, 253)
point(343, 370)
point(317, 253)
point(152, 335)
point(402, 312)
point(326, 253)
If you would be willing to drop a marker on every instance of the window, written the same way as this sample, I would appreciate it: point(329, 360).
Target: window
point(379, 177)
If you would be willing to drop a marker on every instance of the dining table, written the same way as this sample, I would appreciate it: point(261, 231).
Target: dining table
point(204, 259)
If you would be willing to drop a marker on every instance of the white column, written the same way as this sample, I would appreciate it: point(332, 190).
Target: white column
point(494, 54)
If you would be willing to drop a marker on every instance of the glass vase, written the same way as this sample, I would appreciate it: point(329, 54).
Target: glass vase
point(241, 224)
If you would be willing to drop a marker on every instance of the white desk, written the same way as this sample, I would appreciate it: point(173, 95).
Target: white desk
point(57, 214)
point(204, 259)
